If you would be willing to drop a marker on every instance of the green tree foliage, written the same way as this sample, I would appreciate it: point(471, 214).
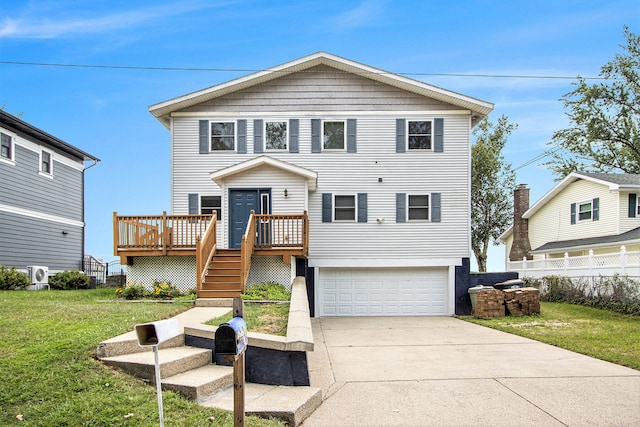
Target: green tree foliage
point(604, 135)
point(492, 185)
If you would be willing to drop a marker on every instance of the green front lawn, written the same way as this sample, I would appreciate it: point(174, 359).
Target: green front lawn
point(48, 374)
point(598, 333)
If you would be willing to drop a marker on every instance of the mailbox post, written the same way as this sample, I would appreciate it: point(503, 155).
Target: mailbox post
point(152, 335)
point(231, 340)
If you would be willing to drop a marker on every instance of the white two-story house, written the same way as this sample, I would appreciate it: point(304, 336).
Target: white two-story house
point(587, 225)
point(359, 179)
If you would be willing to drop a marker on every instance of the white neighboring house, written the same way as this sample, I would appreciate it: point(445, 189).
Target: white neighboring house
point(378, 164)
point(587, 225)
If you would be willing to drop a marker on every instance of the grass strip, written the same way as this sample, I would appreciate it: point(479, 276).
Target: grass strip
point(598, 333)
point(49, 376)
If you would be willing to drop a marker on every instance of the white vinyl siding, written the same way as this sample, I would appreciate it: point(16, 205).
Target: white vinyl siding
point(627, 223)
point(351, 173)
point(553, 221)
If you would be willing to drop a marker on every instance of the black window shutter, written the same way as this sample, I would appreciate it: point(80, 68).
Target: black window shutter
point(351, 136)
point(573, 213)
point(438, 135)
point(294, 136)
point(315, 136)
point(401, 207)
point(193, 204)
point(633, 203)
point(204, 136)
point(327, 207)
point(362, 207)
point(401, 141)
point(596, 209)
point(257, 136)
point(242, 136)
point(436, 207)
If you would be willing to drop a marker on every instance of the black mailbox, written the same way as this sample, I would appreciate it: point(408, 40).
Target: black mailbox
point(231, 337)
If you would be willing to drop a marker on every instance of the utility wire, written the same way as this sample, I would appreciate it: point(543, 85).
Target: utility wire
point(147, 68)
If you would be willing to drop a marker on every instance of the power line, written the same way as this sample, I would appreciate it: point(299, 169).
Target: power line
point(247, 70)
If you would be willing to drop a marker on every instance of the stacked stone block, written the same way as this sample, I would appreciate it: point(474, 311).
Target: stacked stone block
point(522, 302)
point(489, 304)
point(492, 303)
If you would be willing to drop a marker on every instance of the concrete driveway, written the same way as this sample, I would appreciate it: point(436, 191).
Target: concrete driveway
point(442, 371)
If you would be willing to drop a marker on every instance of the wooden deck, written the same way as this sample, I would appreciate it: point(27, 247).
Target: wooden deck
point(195, 235)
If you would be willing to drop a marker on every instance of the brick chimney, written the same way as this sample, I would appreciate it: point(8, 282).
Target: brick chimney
point(520, 247)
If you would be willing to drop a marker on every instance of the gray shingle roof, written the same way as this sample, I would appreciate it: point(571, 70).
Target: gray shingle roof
point(629, 236)
point(615, 178)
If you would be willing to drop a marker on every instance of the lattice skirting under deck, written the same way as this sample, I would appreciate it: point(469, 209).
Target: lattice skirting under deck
point(180, 271)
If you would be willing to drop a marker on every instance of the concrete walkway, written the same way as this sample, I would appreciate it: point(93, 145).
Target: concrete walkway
point(442, 371)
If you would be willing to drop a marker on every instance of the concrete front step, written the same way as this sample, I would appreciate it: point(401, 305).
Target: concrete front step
point(198, 384)
point(173, 361)
point(128, 343)
point(291, 404)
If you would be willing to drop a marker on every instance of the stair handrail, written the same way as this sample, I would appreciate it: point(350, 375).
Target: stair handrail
point(205, 251)
point(246, 249)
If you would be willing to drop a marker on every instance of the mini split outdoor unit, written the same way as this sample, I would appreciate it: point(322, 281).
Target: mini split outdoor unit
point(38, 275)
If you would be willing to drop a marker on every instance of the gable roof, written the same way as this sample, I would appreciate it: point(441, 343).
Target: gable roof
point(162, 111)
point(27, 130)
point(219, 175)
point(614, 181)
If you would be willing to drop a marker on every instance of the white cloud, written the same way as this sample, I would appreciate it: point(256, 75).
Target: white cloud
point(366, 13)
point(49, 27)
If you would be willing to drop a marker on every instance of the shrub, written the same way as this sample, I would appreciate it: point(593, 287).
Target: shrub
point(68, 280)
point(615, 293)
point(271, 291)
point(131, 290)
point(164, 290)
point(10, 279)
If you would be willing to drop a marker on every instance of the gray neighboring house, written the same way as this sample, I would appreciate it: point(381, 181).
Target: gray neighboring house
point(41, 198)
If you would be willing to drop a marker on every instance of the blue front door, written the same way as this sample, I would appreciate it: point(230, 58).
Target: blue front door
point(241, 203)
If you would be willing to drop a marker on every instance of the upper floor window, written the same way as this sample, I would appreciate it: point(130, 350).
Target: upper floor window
point(584, 211)
point(275, 135)
point(419, 134)
point(588, 210)
point(6, 150)
point(45, 162)
point(419, 207)
point(222, 136)
point(333, 135)
point(211, 204)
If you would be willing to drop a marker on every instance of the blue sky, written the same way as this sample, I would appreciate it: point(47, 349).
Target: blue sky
point(104, 111)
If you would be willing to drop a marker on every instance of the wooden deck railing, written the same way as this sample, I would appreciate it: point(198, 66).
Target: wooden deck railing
point(158, 233)
point(282, 232)
point(246, 248)
point(205, 251)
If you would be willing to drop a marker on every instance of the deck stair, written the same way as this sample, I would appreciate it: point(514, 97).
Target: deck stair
point(224, 275)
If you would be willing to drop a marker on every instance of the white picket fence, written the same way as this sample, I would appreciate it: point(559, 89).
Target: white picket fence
point(623, 263)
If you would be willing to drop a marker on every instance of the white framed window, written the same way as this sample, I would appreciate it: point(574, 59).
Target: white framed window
point(585, 211)
point(418, 207)
point(223, 136)
point(344, 208)
point(333, 135)
point(46, 162)
point(275, 134)
point(6, 147)
point(211, 204)
point(419, 134)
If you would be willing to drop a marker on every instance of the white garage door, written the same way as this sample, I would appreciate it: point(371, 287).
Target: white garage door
point(382, 291)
